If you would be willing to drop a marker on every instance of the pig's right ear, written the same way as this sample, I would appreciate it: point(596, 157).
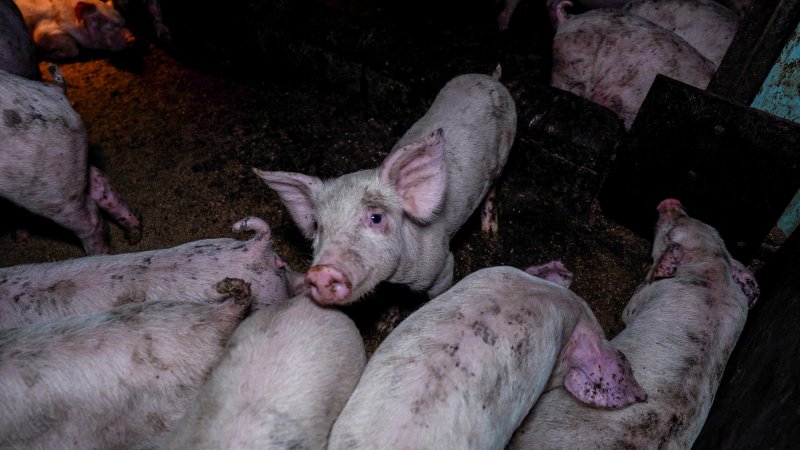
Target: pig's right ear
point(296, 191)
point(419, 174)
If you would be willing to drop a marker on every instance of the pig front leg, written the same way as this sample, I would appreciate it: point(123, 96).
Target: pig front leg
point(445, 279)
point(107, 198)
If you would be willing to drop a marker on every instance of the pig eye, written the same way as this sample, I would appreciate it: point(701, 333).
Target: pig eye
point(376, 218)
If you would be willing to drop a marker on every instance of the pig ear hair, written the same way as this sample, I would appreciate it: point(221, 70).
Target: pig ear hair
point(419, 174)
point(296, 191)
point(668, 264)
point(600, 375)
point(84, 8)
point(746, 281)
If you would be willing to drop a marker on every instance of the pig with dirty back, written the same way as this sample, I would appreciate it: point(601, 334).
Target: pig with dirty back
point(395, 222)
point(285, 376)
point(680, 328)
point(61, 27)
point(117, 379)
point(44, 168)
point(17, 54)
point(611, 57)
point(32, 293)
point(463, 371)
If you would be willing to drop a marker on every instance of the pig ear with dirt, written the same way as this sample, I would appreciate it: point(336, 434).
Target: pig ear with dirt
point(297, 193)
point(418, 173)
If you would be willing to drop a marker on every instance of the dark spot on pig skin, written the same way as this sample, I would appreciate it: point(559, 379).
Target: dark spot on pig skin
point(11, 118)
point(131, 297)
point(483, 331)
point(145, 354)
point(156, 421)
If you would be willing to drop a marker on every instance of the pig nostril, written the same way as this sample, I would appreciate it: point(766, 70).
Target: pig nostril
point(668, 204)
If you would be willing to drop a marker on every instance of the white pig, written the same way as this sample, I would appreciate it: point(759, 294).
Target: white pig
point(116, 379)
point(44, 165)
point(463, 371)
point(705, 24)
point(284, 378)
point(43, 292)
point(611, 57)
point(17, 53)
point(61, 27)
point(395, 222)
point(680, 327)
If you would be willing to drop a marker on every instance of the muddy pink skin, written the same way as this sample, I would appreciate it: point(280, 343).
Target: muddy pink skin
point(61, 27)
point(17, 53)
point(44, 166)
point(464, 369)
point(33, 293)
point(611, 58)
point(680, 328)
point(394, 222)
point(116, 379)
point(285, 376)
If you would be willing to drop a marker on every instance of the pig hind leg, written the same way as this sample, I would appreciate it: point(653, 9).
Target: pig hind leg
point(107, 198)
point(489, 215)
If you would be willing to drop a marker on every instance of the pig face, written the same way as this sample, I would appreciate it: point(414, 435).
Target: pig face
point(360, 222)
point(104, 27)
point(686, 245)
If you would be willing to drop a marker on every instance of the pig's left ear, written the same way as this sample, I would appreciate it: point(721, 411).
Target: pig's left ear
point(83, 9)
point(599, 374)
point(419, 174)
point(746, 281)
point(669, 262)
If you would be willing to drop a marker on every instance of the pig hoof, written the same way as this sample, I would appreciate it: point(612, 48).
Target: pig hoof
point(133, 234)
point(328, 285)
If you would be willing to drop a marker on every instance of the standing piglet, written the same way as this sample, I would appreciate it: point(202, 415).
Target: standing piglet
point(284, 378)
point(395, 222)
point(117, 379)
point(43, 292)
point(17, 54)
point(44, 163)
point(61, 27)
point(611, 57)
point(464, 370)
point(705, 24)
point(681, 325)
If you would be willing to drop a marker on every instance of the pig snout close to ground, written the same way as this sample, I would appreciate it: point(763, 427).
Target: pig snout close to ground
point(611, 57)
point(61, 27)
point(394, 223)
point(17, 53)
point(44, 163)
point(680, 328)
point(706, 25)
point(465, 369)
point(43, 292)
point(117, 379)
point(285, 376)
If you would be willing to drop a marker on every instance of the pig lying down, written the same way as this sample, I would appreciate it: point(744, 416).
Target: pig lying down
point(33, 293)
point(61, 27)
point(17, 54)
point(44, 163)
point(284, 378)
point(116, 379)
point(611, 58)
point(395, 222)
point(464, 370)
point(681, 326)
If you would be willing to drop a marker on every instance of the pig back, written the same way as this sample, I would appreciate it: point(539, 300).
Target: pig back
point(479, 121)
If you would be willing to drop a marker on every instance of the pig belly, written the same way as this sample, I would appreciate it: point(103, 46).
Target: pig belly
point(463, 370)
point(705, 24)
point(118, 379)
point(612, 58)
point(286, 375)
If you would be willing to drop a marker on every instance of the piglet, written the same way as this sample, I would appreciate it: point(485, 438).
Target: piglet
point(706, 25)
point(43, 292)
point(395, 222)
point(612, 57)
point(465, 369)
point(44, 163)
point(680, 327)
point(17, 53)
point(284, 378)
point(61, 27)
point(116, 379)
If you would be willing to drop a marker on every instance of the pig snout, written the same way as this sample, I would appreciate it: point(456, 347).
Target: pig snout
point(669, 210)
point(328, 284)
point(126, 38)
